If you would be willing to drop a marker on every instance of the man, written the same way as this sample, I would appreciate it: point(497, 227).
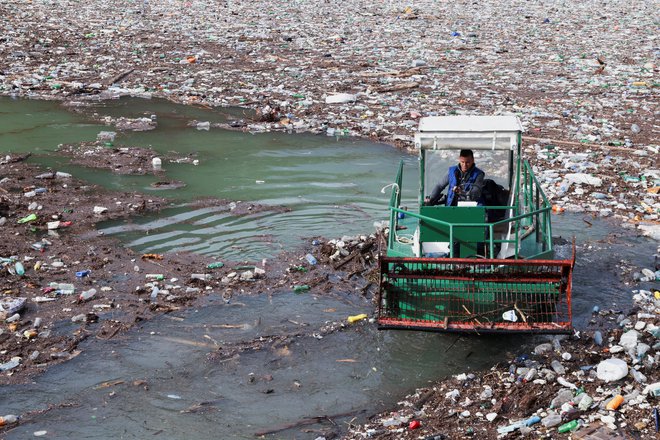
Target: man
point(465, 182)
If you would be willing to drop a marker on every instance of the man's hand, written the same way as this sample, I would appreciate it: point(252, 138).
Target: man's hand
point(457, 190)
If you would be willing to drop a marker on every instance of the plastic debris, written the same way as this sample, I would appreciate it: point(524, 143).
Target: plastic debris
point(356, 318)
point(612, 369)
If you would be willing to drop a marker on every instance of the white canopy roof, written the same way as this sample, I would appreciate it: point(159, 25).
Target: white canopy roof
point(475, 132)
point(469, 124)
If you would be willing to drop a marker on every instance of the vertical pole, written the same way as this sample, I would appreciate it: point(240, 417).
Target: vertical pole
point(537, 226)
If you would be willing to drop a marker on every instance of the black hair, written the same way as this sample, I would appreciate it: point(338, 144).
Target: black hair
point(466, 153)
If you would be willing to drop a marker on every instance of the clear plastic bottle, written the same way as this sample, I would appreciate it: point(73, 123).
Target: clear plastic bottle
point(558, 367)
point(551, 420)
point(63, 288)
point(598, 338)
point(87, 295)
point(585, 402)
point(311, 259)
point(8, 419)
point(530, 375)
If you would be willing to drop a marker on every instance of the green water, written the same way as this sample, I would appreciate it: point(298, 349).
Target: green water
point(326, 186)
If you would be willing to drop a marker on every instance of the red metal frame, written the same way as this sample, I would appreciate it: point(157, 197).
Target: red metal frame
point(548, 271)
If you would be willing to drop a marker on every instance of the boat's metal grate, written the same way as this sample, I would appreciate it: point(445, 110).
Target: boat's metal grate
point(481, 295)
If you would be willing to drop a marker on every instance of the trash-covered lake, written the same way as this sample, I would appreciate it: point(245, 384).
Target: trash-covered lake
point(170, 377)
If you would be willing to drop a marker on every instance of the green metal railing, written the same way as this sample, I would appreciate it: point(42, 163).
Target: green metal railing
point(529, 214)
point(395, 202)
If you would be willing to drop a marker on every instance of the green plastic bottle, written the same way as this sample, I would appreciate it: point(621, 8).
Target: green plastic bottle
point(28, 218)
point(570, 426)
point(300, 289)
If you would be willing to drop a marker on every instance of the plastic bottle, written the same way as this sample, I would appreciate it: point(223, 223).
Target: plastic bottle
point(532, 420)
point(638, 375)
point(300, 289)
point(63, 288)
point(79, 318)
point(200, 276)
point(13, 318)
point(310, 259)
point(20, 270)
point(530, 375)
point(154, 293)
point(83, 273)
point(28, 218)
point(570, 426)
point(551, 420)
point(556, 345)
point(356, 318)
point(557, 367)
point(155, 276)
point(87, 295)
point(615, 403)
point(598, 338)
point(215, 265)
point(8, 419)
point(585, 403)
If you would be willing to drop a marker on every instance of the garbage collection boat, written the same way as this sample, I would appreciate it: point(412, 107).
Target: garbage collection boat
point(482, 266)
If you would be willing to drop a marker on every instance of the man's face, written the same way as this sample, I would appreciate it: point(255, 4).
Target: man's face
point(465, 163)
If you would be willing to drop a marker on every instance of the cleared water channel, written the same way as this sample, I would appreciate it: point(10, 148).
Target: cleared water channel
point(332, 188)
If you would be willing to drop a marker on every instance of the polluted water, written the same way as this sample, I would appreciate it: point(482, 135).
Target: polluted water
point(217, 369)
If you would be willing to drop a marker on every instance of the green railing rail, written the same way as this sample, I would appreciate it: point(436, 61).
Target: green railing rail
point(529, 214)
point(395, 202)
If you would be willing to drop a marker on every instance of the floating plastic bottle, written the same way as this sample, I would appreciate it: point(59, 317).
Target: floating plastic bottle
point(557, 367)
point(551, 420)
point(87, 295)
point(8, 419)
point(29, 218)
point(615, 403)
point(300, 289)
point(63, 288)
point(570, 426)
point(215, 265)
point(20, 270)
point(79, 318)
point(356, 318)
point(530, 375)
point(598, 338)
point(155, 276)
point(585, 402)
point(310, 259)
point(83, 273)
